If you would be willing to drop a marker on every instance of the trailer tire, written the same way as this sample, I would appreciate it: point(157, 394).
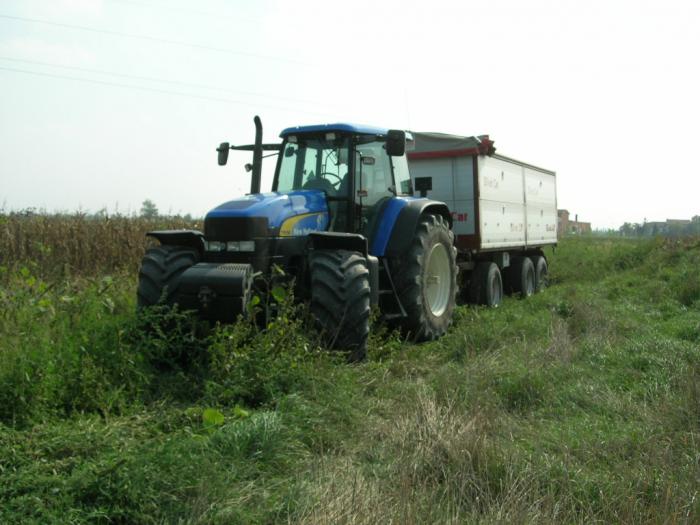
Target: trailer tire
point(521, 276)
point(486, 285)
point(540, 264)
point(425, 279)
point(160, 273)
point(340, 299)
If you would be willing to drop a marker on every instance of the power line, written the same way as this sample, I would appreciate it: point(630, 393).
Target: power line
point(153, 39)
point(155, 90)
point(154, 79)
point(159, 7)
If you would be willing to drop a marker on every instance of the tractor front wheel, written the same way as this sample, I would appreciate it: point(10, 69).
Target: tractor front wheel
point(160, 273)
point(426, 279)
point(340, 299)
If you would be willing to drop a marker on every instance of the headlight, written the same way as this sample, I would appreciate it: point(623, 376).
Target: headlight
point(240, 246)
point(247, 246)
point(216, 246)
point(230, 246)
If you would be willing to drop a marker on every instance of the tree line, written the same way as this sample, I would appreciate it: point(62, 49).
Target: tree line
point(666, 229)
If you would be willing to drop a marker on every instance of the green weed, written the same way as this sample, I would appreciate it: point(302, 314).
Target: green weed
point(578, 405)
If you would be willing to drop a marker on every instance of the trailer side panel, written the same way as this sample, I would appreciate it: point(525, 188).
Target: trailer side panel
point(497, 203)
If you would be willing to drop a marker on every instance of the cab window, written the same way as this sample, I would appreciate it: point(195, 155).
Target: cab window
point(373, 181)
point(401, 175)
point(314, 163)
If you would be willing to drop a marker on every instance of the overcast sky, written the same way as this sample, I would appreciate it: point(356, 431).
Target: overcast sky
point(104, 103)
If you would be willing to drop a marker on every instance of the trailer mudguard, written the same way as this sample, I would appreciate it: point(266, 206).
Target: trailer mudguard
point(190, 238)
point(399, 222)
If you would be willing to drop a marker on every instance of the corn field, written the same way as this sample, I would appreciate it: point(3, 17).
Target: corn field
point(78, 244)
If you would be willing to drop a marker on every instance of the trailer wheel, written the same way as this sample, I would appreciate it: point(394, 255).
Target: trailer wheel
point(426, 280)
point(340, 299)
point(161, 269)
point(540, 264)
point(486, 285)
point(521, 276)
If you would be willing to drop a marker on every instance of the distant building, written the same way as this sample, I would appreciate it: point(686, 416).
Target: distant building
point(567, 226)
point(670, 226)
point(678, 222)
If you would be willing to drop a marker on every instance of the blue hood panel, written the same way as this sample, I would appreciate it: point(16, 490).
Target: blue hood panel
point(276, 207)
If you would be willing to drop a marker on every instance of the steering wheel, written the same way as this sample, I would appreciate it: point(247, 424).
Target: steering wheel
point(335, 184)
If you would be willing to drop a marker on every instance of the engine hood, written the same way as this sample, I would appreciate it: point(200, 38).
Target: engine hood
point(285, 214)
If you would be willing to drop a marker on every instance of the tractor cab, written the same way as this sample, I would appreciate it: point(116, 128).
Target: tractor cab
point(358, 168)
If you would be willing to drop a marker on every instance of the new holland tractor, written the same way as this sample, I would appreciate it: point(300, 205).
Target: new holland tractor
point(341, 219)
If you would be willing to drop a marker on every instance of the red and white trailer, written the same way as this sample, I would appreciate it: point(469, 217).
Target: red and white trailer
point(504, 211)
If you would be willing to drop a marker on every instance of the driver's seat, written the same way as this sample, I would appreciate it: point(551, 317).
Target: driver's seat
point(319, 183)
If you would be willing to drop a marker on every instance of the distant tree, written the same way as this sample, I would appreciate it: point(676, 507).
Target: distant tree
point(694, 226)
point(101, 214)
point(149, 210)
point(626, 230)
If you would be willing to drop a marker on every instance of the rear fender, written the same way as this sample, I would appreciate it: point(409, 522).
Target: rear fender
point(403, 229)
point(190, 238)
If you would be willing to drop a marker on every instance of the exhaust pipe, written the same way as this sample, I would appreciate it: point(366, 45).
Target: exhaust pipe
point(257, 157)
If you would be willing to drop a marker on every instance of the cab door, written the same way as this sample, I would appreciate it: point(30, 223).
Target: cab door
point(374, 186)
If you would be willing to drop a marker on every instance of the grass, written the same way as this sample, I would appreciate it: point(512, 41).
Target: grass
point(578, 405)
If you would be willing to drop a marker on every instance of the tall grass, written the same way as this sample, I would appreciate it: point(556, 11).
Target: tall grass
point(578, 405)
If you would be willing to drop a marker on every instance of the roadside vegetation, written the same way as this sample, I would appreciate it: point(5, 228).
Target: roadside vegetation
point(578, 405)
point(81, 244)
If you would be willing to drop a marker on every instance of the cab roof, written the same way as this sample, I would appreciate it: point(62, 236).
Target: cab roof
point(347, 128)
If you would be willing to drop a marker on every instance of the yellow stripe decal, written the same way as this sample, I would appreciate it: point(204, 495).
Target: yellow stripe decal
point(288, 225)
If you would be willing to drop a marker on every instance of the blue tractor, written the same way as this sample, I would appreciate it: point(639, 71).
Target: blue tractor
point(341, 219)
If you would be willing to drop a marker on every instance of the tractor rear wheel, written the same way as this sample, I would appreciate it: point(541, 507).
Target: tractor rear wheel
point(340, 299)
point(426, 279)
point(160, 273)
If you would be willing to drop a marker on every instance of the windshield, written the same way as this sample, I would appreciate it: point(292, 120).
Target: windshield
point(314, 163)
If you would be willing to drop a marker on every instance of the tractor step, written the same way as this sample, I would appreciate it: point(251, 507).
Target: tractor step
point(390, 304)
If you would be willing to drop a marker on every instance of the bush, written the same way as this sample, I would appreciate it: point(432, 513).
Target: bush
point(255, 366)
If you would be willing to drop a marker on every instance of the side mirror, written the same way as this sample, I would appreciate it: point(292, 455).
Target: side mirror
point(396, 142)
point(223, 153)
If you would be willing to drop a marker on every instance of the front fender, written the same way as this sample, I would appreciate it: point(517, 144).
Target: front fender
point(190, 238)
point(338, 241)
